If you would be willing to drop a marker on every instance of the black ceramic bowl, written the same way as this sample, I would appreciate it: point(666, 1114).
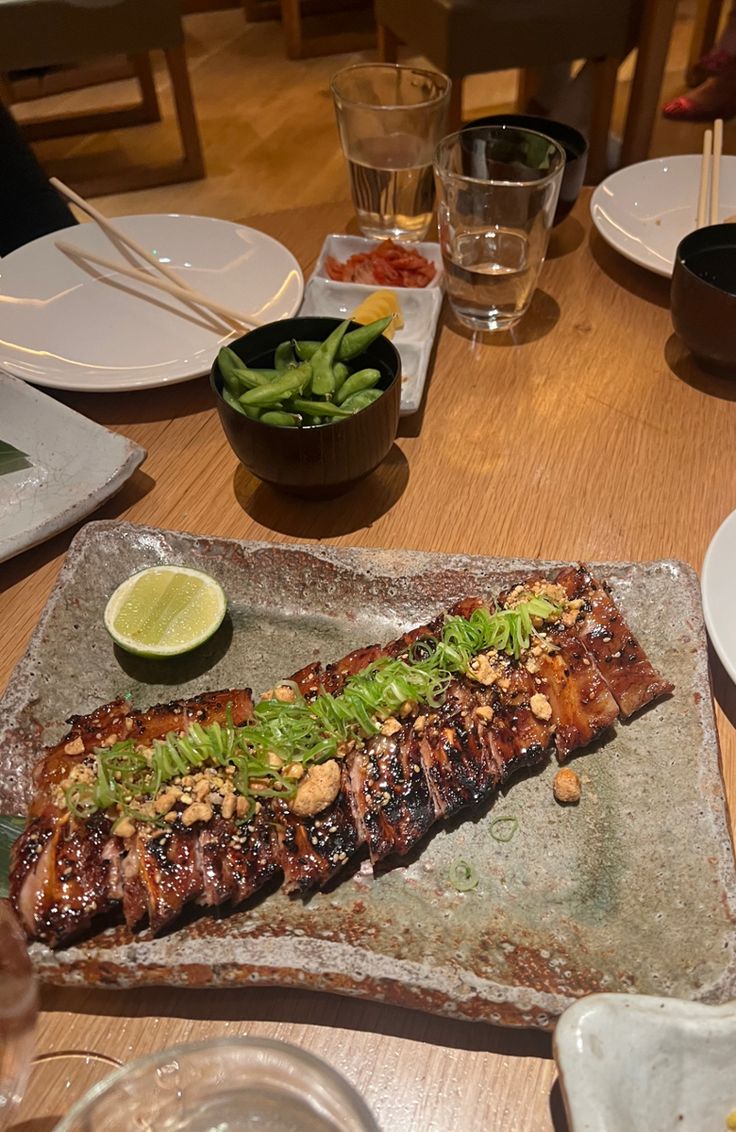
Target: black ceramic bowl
point(703, 295)
point(571, 140)
point(316, 461)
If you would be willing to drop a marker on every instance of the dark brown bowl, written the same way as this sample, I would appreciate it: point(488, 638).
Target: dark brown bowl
point(571, 140)
point(317, 461)
point(703, 296)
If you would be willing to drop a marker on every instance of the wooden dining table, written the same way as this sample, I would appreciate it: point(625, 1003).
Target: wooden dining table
point(587, 432)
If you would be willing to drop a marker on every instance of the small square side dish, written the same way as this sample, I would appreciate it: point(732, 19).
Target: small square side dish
point(420, 308)
point(647, 1064)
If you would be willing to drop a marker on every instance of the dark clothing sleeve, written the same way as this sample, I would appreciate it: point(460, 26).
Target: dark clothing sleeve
point(29, 206)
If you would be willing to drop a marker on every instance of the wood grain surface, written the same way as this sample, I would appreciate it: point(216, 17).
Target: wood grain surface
point(587, 432)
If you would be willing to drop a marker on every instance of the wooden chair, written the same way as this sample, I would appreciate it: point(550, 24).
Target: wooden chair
point(318, 27)
point(466, 37)
point(44, 33)
point(705, 30)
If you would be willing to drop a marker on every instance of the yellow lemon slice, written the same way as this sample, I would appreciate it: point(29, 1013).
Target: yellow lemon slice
point(165, 611)
point(379, 305)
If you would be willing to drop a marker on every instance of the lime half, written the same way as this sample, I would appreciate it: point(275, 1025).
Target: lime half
point(165, 611)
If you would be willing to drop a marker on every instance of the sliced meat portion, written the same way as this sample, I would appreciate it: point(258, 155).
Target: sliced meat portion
point(250, 855)
point(457, 750)
point(310, 850)
point(582, 706)
point(167, 877)
point(390, 795)
point(622, 661)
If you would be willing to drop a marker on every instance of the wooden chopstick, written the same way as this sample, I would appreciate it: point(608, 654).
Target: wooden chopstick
point(174, 289)
point(705, 164)
point(715, 180)
point(115, 233)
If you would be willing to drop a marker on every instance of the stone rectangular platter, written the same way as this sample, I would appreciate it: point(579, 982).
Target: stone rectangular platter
point(633, 890)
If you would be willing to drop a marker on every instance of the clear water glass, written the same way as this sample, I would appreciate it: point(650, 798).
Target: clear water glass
point(223, 1085)
point(18, 1011)
point(497, 193)
point(390, 119)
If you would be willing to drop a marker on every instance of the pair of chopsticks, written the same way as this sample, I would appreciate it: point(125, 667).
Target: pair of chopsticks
point(165, 279)
point(710, 175)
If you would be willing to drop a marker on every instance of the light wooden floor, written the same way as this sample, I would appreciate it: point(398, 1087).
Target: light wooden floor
point(268, 126)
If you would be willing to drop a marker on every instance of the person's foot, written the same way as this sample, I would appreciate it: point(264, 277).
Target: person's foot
point(715, 98)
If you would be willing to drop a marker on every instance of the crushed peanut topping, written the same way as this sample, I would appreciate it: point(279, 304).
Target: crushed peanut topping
point(486, 668)
point(541, 707)
point(75, 747)
point(390, 726)
point(320, 787)
point(566, 786)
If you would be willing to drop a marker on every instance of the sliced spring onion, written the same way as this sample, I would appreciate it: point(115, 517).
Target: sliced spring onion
point(463, 876)
point(503, 829)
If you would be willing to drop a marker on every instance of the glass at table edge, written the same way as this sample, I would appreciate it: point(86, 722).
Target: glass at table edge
point(391, 106)
point(501, 130)
point(348, 1093)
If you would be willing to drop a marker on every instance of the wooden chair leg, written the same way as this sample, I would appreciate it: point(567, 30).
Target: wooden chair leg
point(455, 107)
point(291, 18)
point(657, 21)
point(6, 91)
point(527, 87)
point(388, 45)
point(144, 74)
point(605, 73)
point(705, 30)
point(176, 61)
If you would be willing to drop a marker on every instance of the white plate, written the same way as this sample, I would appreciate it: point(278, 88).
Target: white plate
point(644, 210)
point(73, 465)
point(420, 307)
point(719, 599)
point(633, 1063)
point(72, 327)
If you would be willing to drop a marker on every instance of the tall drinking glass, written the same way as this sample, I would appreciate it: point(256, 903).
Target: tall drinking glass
point(390, 119)
point(223, 1085)
point(18, 1009)
point(498, 188)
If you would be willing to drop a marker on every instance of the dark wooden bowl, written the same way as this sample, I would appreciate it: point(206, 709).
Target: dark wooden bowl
point(703, 296)
point(571, 140)
point(316, 461)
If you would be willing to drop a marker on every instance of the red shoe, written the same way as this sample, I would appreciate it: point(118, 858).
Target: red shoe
point(685, 109)
point(715, 98)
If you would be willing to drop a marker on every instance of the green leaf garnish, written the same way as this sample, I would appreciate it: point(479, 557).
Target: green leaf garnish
point(12, 459)
point(306, 731)
point(10, 829)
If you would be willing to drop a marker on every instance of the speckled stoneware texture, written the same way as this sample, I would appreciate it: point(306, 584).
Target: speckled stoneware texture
point(633, 890)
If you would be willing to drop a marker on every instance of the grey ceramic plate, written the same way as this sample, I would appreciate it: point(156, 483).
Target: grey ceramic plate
point(634, 890)
point(73, 466)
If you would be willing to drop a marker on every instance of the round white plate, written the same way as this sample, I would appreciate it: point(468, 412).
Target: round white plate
point(67, 326)
point(719, 596)
point(644, 211)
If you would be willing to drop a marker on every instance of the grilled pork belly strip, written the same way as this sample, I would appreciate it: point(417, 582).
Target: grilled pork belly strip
point(429, 763)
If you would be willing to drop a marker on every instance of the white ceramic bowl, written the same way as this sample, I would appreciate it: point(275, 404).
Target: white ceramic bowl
point(632, 1063)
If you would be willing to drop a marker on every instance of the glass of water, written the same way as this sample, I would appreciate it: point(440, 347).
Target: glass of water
point(18, 1009)
point(223, 1085)
point(498, 188)
point(390, 119)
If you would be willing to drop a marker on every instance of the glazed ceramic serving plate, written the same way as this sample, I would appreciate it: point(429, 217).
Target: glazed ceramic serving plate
point(70, 466)
point(70, 326)
point(644, 210)
point(719, 598)
point(420, 307)
point(647, 1064)
point(606, 896)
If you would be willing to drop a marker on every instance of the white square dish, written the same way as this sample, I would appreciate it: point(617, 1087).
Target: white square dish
point(72, 466)
point(420, 308)
point(647, 1064)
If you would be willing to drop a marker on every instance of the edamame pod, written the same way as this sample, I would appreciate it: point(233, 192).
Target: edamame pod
point(323, 379)
point(362, 399)
point(280, 418)
point(357, 341)
point(363, 379)
point(318, 408)
point(283, 357)
point(340, 373)
point(230, 400)
point(230, 367)
point(288, 384)
point(305, 351)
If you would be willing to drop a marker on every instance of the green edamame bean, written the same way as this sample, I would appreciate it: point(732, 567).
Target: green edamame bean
point(354, 343)
point(287, 384)
point(230, 400)
point(340, 373)
point(280, 418)
point(283, 357)
point(318, 408)
point(363, 379)
point(305, 351)
point(362, 399)
point(230, 367)
point(323, 379)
